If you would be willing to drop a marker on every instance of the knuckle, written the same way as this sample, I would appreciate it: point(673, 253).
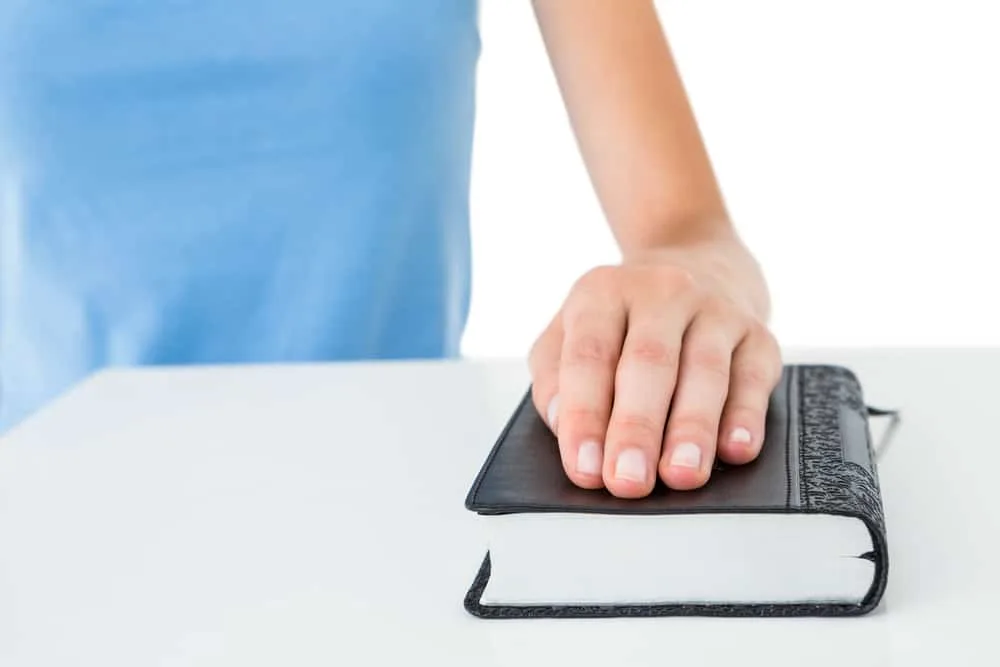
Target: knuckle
point(673, 280)
point(718, 307)
point(581, 421)
point(676, 276)
point(759, 332)
point(580, 317)
point(696, 424)
point(600, 279)
point(724, 315)
point(651, 351)
point(589, 349)
point(755, 376)
point(636, 428)
point(712, 359)
point(760, 368)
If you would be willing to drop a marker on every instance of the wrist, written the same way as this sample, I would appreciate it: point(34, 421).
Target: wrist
point(678, 231)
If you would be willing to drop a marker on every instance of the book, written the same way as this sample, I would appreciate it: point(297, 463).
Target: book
point(800, 531)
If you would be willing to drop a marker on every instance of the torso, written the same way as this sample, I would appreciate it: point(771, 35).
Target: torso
point(188, 181)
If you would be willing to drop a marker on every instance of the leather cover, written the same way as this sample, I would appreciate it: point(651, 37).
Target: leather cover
point(817, 457)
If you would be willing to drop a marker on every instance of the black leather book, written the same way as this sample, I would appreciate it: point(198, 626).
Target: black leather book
point(798, 532)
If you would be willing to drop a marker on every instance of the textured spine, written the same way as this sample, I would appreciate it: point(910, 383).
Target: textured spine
point(830, 483)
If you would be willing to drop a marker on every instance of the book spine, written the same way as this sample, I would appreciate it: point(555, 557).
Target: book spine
point(838, 471)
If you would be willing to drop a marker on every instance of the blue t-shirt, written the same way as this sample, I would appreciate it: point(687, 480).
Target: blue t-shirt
point(220, 181)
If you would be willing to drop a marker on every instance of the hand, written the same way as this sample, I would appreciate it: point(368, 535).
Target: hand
point(655, 367)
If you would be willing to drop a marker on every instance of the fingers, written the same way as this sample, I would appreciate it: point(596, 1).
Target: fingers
point(543, 363)
point(645, 376)
point(756, 371)
point(593, 332)
point(644, 386)
point(699, 398)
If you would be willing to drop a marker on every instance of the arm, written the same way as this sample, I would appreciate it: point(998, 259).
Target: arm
point(655, 367)
point(632, 120)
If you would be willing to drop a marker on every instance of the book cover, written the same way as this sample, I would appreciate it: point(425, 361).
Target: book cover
point(799, 531)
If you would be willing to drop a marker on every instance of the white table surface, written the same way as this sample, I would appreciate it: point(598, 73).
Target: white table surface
point(313, 515)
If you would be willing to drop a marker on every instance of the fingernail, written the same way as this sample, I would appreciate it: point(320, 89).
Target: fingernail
point(588, 458)
point(740, 436)
point(686, 455)
point(631, 465)
point(552, 414)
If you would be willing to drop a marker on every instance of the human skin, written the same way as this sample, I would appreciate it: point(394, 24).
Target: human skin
point(655, 366)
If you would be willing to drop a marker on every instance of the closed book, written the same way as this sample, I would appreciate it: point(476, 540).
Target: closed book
point(799, 531)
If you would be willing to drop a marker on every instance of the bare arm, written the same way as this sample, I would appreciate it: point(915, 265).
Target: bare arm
point(654, 367)
point(632, 120)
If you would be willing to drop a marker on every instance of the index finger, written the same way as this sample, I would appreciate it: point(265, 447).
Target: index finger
point(592, 342)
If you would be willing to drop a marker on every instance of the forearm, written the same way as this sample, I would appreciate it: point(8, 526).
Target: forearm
point(633, 121)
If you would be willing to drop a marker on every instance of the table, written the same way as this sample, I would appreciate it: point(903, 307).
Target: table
point(313, 515)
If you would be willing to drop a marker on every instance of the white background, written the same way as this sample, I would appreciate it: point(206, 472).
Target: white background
point(857, 144)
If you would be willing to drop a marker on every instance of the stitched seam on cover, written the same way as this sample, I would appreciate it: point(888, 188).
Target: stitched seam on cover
point(803, 488)
point(788, 449)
